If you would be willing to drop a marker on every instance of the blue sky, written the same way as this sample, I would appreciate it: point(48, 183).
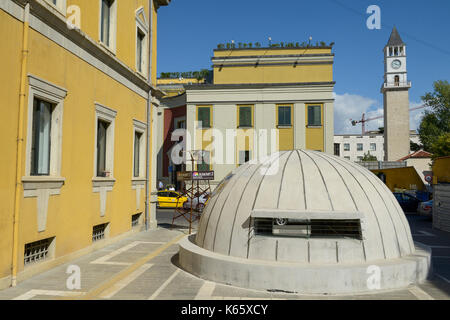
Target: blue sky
point(188, 31)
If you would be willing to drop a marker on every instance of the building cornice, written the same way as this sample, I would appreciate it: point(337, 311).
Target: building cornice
point(275, 56)
point(275, 48)
point(55, 20)
point(257, 85)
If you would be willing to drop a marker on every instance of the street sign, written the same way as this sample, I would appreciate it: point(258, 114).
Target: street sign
point(195, 175)
point(203, 175)
point(183, 176)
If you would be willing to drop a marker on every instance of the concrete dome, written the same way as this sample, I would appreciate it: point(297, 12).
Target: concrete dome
point(304, 210)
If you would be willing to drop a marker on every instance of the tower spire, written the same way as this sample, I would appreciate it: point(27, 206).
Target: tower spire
point(395, 39)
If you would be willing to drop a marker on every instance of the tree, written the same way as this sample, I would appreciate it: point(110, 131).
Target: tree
point(436, 121)
point(441, 147)
point(369, 157)
point(414, 146)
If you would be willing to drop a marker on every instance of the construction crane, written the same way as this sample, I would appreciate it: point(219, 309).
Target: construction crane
point(364, 120)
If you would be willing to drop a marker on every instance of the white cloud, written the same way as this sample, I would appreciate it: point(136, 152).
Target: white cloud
point(351, 106)
point(415, 117)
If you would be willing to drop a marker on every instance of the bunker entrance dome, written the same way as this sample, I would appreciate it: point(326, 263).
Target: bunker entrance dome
point(304, 221)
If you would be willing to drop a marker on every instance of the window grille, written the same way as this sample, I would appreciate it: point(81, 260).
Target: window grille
point(135, 220)
point(98, 232)
point(37, 251)
point(314, 228)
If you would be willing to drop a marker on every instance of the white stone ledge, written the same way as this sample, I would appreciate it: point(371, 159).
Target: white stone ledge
point(304, 278)
point(42, 182)
point(103, 182)
point(138, 182)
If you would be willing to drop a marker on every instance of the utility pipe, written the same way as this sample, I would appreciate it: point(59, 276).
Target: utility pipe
point(18, 188)
point(149, 119)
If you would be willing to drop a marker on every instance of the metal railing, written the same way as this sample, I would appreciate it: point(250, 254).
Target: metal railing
point(397, 84)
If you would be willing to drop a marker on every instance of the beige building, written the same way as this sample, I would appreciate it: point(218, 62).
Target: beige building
point(261, 100)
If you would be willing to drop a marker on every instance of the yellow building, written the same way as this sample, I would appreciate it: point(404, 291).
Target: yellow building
point(441, 193)
point(286, 91)
point(175, 86)
point(75, 98)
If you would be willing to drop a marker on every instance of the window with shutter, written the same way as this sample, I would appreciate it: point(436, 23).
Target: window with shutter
point(314, 116)
point(204, 116)
point(284, 116)
point(245, 116)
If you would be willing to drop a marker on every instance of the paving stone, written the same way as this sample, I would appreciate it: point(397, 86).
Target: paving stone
point(185, 286)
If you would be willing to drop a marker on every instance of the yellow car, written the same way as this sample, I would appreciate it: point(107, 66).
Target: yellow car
point(170, 199)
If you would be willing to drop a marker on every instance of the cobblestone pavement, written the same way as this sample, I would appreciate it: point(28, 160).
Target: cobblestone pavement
point(144, 266)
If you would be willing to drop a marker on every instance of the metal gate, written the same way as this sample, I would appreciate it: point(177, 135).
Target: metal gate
point(441, 206)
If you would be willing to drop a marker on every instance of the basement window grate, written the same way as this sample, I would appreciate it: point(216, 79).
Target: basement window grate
point(98, 232)
point(314, 228)
point(135, 219)
point(37, 251)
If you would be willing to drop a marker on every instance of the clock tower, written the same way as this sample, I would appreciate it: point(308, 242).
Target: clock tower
point(395, 91)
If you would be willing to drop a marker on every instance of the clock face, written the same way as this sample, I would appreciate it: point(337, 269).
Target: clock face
point(396, 64)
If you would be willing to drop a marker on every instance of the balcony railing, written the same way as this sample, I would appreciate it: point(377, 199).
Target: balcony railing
point(397, 84)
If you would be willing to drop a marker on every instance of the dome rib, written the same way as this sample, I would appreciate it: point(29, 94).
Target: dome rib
point(323, 180)
point(282, 178)
point(223, 205)
point(238, 170)
point(279, 155)
point(387, 209)
point(343, 180)
point(363, 171)
point(240, 199)
point(303, 180)
point(349, 192)
point(402, 217)
point(340, 161)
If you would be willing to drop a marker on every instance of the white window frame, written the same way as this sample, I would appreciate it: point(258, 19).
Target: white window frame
point(357, 147)
point(108, 115)
point(140, 127)
point(370, 147)
point(113, 27)
point(49, 92)
point(349, 147)
point(143, 26)
point(61, 6)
